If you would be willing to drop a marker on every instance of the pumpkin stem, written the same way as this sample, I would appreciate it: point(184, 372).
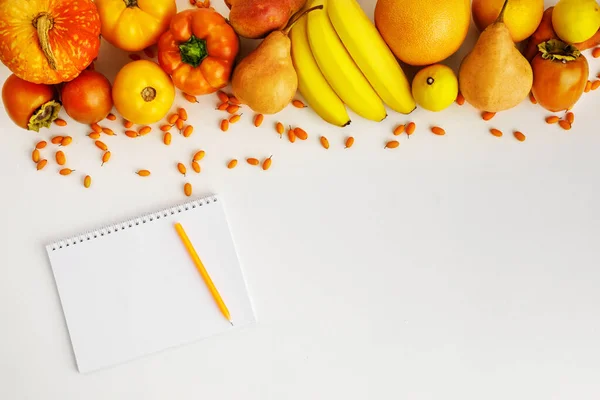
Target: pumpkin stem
point(43, 23)
point(130, 3)
point(557, 50)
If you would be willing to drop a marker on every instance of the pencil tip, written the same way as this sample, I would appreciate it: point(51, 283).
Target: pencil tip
point(231, 323)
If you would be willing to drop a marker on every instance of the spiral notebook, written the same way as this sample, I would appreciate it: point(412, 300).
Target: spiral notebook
point(131, 289)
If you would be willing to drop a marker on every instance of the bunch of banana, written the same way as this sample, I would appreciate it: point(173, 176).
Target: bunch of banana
point(341, 59)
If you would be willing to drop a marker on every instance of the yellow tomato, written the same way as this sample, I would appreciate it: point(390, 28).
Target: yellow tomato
point(142, 92)
point(133, 25)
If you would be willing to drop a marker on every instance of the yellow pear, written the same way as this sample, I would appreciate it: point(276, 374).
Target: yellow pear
point(266, 80)
point(495, 76)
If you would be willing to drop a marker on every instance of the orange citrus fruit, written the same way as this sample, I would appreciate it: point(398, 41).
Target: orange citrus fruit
point(423, 32)
point(522, 17)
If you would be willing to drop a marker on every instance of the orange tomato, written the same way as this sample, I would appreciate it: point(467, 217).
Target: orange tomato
point(142, 92)
point(30, 105)
point(87, 99)
point(49, 41)
point(133, 25)
point(560, 73)
point(198, 51)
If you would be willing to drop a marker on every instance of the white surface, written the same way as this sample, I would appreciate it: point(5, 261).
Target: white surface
point(456, 267)
point(131, 289)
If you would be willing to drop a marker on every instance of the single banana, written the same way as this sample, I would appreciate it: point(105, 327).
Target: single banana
point(339, 69)
point(311, 83)
point(371, 54)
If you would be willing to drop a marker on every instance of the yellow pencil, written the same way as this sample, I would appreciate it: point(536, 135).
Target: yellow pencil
point(200, 266)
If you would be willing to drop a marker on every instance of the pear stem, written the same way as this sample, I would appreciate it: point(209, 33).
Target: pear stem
point(501, 16)
point(297, 17)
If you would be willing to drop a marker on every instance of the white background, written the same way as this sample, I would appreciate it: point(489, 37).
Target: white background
point(456, 267)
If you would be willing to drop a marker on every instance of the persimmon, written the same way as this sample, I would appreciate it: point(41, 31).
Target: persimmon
point(88, 98)
point(560, 73)
point(30, 105)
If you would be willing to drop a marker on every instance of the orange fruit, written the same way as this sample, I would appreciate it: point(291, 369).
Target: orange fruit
point(423, 32)
point(522, 17)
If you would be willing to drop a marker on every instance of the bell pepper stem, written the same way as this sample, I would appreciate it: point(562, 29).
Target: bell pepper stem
point(193, 51)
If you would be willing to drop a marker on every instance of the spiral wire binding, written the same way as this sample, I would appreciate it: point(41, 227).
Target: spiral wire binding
point(132, 223)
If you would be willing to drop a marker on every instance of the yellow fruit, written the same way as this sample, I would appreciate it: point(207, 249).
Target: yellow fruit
point(142, 92)
point(435, 87)
point(521, 16)
point(576, 21)
point(371, 54)
point(311, 83)
point(338, 67)
point(423, 32)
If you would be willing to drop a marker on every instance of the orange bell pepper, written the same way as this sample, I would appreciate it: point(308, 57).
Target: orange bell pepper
point(198, 51)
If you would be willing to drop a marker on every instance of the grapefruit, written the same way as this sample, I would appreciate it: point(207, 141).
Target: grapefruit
point(522, 17)
point(423, 32)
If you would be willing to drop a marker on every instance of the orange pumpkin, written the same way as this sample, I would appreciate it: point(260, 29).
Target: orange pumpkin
point(48, 41)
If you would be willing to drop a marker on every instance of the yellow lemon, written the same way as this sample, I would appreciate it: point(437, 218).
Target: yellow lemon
point(435, 87)
point(522, 16)
point(576, 21)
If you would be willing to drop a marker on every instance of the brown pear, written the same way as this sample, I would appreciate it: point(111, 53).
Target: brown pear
point(266, 80)
point(255, 19)
point(495, 76)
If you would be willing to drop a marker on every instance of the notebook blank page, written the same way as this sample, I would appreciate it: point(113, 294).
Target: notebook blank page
point(136, 291)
